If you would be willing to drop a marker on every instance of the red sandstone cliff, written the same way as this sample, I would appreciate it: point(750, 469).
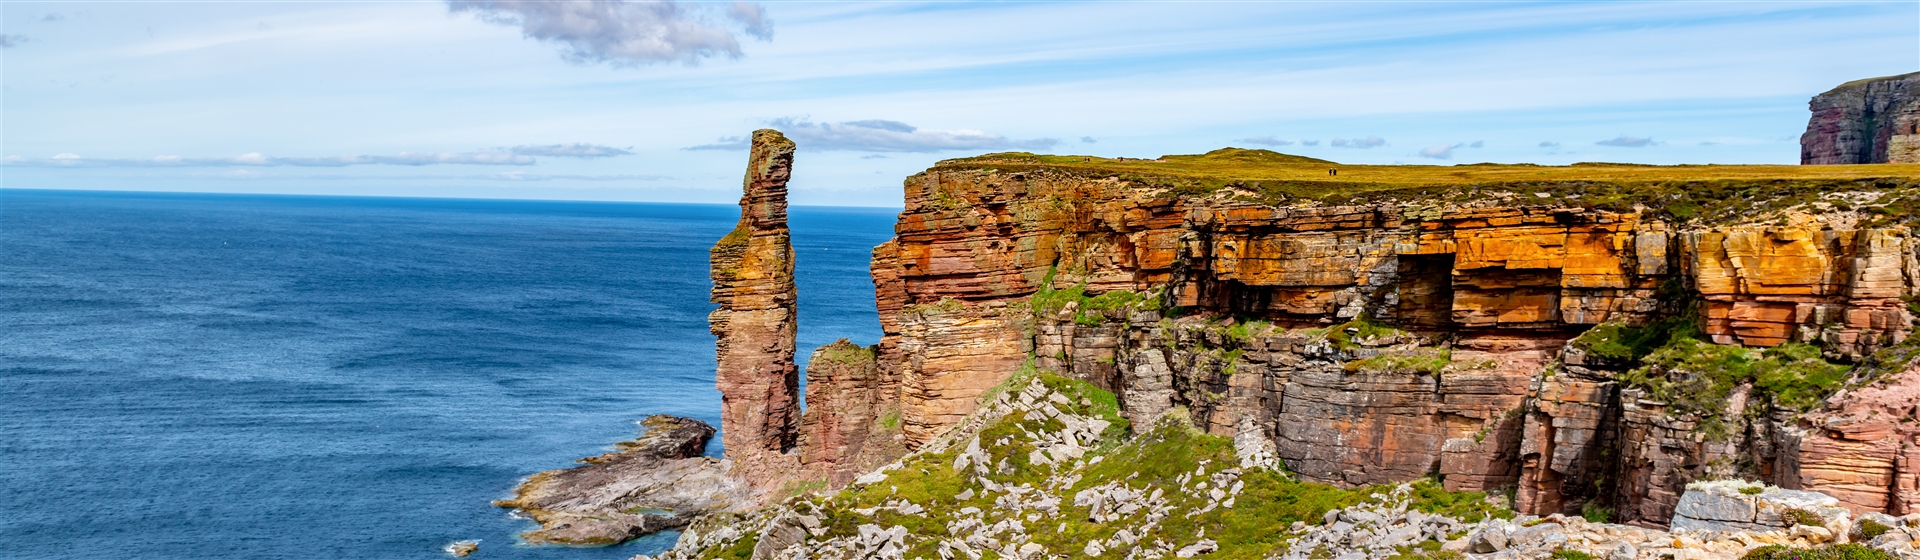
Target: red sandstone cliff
point(1865, 121)
point(970, 291)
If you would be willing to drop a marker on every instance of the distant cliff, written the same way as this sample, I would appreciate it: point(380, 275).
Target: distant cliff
point(1866, 121)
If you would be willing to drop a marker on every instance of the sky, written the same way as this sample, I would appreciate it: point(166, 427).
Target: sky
point(648, 101)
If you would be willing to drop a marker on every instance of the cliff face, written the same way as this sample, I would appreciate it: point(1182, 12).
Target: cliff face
point(1866, 121)
point(752, 270)
point(1382, 340)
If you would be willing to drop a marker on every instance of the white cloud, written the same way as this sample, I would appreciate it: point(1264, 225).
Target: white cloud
point(754, 18)
point(1266, 141)
point(875, 135)
point(1443, 151)
point(1309, 142)
point(1478, 144)
point(1361, 143)
point(626, 32)
point(577, 150)
point(1088, 140)
point(1624, 141)
point(1549, 144)
point(725, 143)
point(257, 159)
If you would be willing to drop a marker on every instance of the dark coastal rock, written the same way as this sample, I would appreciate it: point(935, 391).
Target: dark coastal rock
point(655, 482)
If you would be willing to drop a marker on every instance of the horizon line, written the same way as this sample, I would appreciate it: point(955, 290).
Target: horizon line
point(420, 197)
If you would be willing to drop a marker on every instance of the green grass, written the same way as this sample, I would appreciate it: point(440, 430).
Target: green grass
point(1803, 517)
point(1698, 378)
point(739, 236)
point(1364, 328)
point(1706, 193)
point(1570, 555)
point(1826, 552)
point(1091, 309)
point(1797, 377)
point(1870, 529)
point(1244, 330)
point(1420, 361)
point(1595, 513)
point(1618, 342)
point(846, 352)
point(740, 549)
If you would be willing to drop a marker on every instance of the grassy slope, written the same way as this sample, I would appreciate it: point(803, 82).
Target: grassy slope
point(1153, 459)
point(1685, 191)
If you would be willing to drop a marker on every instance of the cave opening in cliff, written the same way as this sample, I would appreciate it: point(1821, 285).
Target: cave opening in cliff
point(1426, 291)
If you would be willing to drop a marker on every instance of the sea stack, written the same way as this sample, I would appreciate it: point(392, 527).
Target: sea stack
point(1876, 120)
point(753, 283)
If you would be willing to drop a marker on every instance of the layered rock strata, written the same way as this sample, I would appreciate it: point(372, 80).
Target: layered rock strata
point(997, 269)
point(1866, 121)
point(657, 481)
point(1040, 471)
point(752, 270)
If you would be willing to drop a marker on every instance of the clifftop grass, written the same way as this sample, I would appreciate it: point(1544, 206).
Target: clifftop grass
point(1686, 192)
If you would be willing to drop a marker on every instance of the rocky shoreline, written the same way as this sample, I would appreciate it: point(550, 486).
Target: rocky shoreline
point(655, 482)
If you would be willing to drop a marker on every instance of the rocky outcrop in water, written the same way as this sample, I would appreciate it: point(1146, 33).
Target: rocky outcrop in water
point(752, 270)
point(1865, 121)
point(657, 481)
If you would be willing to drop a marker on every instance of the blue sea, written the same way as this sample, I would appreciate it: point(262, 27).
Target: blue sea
point(250, 376)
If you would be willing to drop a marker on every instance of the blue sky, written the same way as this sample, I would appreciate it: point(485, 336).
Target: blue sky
point(646, 100)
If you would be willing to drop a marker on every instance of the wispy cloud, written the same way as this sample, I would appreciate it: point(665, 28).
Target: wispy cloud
point(724, 143)
point(524, 176)
point(10, 40)
point(1443, 151)
point(1266, 141)
point(627, 32)
point(1309, 142)
point(1361, 143)
point(875, 135)
point(1549, 144)
point(1088, 140)
point(257, 159)
point(874, 156)
point(585, 151)
point(516, 176)
point(52, 16)
point(1624, 141)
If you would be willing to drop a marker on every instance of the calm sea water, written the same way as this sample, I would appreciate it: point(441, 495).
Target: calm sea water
point(221, 376)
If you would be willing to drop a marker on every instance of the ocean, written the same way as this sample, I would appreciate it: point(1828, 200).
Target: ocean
point(252, 376)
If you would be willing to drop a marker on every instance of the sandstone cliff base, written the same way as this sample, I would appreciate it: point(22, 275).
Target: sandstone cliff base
point(1045, 469)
